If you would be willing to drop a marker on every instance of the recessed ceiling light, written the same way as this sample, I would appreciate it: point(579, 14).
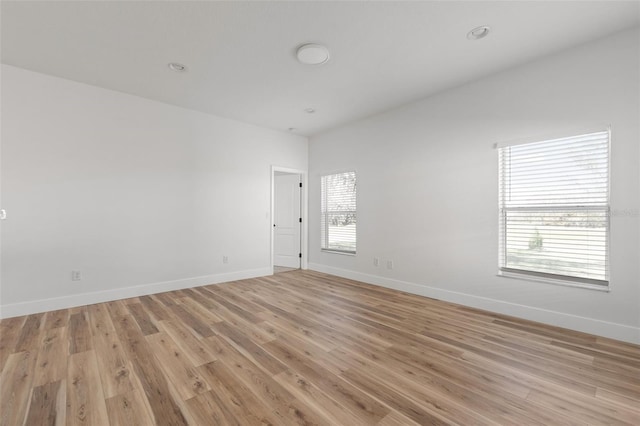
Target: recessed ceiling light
point(312, 54)
point(292, 129)
point(174, 66)
point(478, 33)
point(309, 110)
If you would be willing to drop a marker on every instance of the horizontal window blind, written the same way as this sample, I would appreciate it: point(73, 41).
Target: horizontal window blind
point(338, 215)
point(554, 208)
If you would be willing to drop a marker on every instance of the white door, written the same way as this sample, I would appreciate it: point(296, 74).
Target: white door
point(287, 220)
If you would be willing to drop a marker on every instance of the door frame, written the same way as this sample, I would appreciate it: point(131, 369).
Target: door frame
point(304, 261)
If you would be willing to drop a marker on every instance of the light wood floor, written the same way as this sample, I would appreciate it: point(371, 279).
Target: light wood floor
point(281, 269)
point(307, 348)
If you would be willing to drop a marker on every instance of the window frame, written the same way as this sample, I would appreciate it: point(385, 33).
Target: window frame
point(324, 231)
point(559, 279)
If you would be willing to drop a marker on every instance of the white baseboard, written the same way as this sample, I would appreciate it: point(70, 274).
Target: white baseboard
point(588, 325)
point(64, 302)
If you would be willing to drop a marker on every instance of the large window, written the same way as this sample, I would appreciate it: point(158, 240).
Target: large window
point(554, 209)
point(338, 221)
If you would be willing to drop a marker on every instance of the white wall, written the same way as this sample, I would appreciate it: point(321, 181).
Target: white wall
point(138, 195)
point(427, 186)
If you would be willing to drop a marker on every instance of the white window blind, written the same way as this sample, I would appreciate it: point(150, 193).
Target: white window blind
point(554, 208)
point(338, 221)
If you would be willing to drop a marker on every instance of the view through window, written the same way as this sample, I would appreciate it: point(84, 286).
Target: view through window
point(338, 220)
point(554, 208)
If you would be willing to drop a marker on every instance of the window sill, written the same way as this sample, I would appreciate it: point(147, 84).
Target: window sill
point(344, 253)
point(526, 277)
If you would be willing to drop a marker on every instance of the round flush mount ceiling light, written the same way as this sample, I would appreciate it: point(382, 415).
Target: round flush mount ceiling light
point(174, 66)
point(309, 110)
point(312, 54)
point(478, 33)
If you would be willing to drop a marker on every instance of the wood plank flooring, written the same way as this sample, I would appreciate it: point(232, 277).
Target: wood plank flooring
point(304, 348)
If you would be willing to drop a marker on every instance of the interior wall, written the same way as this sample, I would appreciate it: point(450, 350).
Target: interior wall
point(137, 195)
point(428, 186)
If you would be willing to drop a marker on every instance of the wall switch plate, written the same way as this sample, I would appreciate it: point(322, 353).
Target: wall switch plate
point(225, 259)
point(76, 276)
point(376, 261)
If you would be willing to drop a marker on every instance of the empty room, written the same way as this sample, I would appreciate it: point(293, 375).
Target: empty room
point(319, 213)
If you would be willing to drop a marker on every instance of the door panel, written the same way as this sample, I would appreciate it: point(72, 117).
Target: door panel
point(287, 220)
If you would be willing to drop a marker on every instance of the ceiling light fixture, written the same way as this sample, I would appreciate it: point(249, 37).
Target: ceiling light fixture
point(309, 110)
point(312, 54)
point(478, 33)
point(174, 66)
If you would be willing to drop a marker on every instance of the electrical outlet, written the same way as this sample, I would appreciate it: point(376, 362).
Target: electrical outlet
point(76, 276)
point(376, 261)
point(225, 259)
point(389, 264)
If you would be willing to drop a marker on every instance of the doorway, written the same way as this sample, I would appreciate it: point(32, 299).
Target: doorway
point(288, 222)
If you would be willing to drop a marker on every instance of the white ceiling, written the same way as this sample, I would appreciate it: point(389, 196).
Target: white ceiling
point(241, 55)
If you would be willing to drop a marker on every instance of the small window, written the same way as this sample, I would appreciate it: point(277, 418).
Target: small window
point(554, 209)
point(338, 221)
